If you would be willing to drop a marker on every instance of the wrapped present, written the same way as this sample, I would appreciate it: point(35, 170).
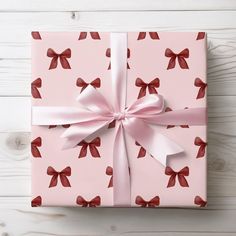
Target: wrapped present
point(119, 119)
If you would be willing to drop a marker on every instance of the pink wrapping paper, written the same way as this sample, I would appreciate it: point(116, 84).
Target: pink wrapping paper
point(172, 64)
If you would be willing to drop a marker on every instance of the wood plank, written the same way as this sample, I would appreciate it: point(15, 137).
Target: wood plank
point(121, 5)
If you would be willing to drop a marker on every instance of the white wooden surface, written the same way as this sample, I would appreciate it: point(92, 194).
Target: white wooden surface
point(19, 17)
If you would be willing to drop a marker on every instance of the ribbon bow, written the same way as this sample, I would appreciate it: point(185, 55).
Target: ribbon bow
point(95, 112)
point(81, 83)
point(199, 201)
point(151, 86)
point(92, 147)
point(36, 202)
point(34, 88)
point(181, 176)
point(152, 203)
point(202, 147)
point(202, 87)
point(94, 35)
point(62, 56)
point(109, 171)
point(181, 58)
point(93, 203)
point(63, 176)
point(153, 35)
point(34, 147)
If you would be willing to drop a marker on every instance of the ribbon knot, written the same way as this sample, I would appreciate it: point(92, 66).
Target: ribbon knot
point(62, 174)
point(62, 56)
point(180, 56)
point(181, 176)
point(120, 116)
point(92, 147)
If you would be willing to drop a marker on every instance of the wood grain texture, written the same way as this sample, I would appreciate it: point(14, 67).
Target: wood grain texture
point(217, 17)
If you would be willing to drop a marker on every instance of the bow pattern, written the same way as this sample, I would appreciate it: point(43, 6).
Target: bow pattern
point(94, 35)
point(108, 54)
point(200, 35)
point(36, 35)
point(142, 151)
point(63, 126)
point(62, 56)
point(62, 174)
point(81, 83)
point(36, 202)
point(181, 176)
point(34, 88)
point(92, 147)
point(153, 35)
point(202, 88)
point(154, 202)
point(199, 201)
point(151, 86)
point(34, 147)
point(180, 56)
point(92, 203)
point(202, 147)
point(109, 171)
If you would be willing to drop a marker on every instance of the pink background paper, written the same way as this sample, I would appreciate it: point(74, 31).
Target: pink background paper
point(147, 61)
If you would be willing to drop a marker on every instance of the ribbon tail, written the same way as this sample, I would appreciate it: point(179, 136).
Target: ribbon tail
point(121, 177)
point(156, 144)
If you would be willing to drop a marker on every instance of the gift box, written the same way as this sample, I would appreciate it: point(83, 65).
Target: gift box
point(119, 119)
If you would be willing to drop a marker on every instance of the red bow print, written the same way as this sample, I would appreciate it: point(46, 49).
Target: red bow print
point(94, 35)
point(34, 88)
point(63, 176)
point(181, 58)
point(199, 201)
point(202, 88)
point(152, 203)
point(151, 86)
point(93, 203)
point(200, 35)
point(181, 176)
point(36, 35)
point(54, 126)
point(34, 147)
point(109, 171)
point(142, 151)
point(153, 35)
point(108, 54)
point(36, 202)
point(81, 83)
point(92, 147)
point(172, 126)
point(202, 147)
point(62, 56)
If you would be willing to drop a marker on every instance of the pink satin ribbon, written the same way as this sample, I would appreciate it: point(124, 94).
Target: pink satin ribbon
point(94, 112)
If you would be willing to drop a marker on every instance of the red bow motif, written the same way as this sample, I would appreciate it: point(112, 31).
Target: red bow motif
point(199, 201)
point(153, 35)
point(202, 147)
point(202, 88)
point(142, 151)
point(92, 203)
point(62, 174)
point(34, 147)
point(180, 56)
point(54, 126)
point(34, 88)
point(108, 54)
point(151, 86)
point(36, 35)
point(94, 35)
point(92, 147)
point(154, 202)
point(62, 56)
point(172, 126)
point(36, 202)
point(181, 176)
point(200, 35)
point(81, 83)
point(109, 171)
